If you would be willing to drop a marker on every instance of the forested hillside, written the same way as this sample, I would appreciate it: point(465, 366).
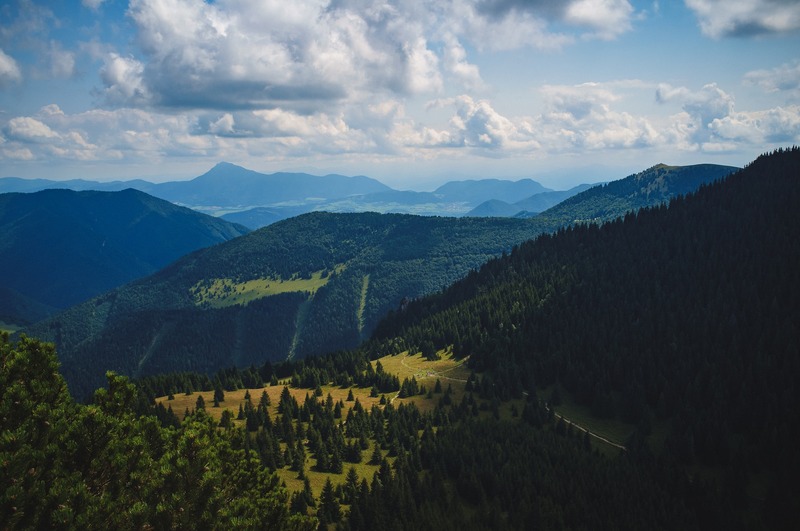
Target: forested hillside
point(300, 287)
point(304, 286)
point(679, 321)
point(67, 466)
point(650, 187)
point(683, 317)
point(61, 247)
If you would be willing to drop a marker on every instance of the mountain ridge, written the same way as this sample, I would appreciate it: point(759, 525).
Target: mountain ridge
point(317, 261)
point(61, 247)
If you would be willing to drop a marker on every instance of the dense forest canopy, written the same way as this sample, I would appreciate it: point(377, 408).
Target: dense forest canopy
point(683, 315)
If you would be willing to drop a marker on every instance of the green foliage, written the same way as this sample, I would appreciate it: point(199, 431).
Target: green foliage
point(100, 466)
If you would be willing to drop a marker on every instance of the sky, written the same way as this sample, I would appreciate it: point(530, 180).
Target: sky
point(411, 92)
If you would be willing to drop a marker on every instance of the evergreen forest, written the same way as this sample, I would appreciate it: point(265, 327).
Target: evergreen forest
point(679, 320)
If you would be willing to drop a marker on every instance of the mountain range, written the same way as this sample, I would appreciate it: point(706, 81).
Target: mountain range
point(255, 199)
point(61, 247)
point(534, 204)
point(307, 285)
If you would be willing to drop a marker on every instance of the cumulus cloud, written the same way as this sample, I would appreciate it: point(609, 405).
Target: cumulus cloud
point(710, 122)
point(9, 71)
point(455, 60)
point(607, 18)
point(306, 55)
point(223, 126)
point(124, 81)
point(580, 117)
point(780, 125)
point(692, 127)
point(742, 18)
point(784, 78)
point(26, 129)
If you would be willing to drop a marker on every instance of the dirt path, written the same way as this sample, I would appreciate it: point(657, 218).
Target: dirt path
point(591, 434)
point(421, 374)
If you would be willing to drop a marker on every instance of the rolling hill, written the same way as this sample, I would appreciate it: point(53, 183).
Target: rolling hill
point(300, 287)
point(62, 247)
point(526, 207)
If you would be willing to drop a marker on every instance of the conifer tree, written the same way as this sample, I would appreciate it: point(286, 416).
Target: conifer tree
point(329, 509)
point(376, 457)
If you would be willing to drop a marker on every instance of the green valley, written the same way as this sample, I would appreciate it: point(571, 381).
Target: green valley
point(297, 288)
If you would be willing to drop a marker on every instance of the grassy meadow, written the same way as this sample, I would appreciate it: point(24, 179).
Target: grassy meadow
point(448, 370)
point(223, 292)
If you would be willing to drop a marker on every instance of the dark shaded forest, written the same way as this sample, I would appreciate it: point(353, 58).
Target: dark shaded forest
point(685, 314)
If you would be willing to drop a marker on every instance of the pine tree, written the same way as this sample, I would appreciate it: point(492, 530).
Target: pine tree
point(376, 457)
point(351, 486)
point(264, 401)
point(329, 509)
point(219, 394)
point(200, 404)
point(226, 421)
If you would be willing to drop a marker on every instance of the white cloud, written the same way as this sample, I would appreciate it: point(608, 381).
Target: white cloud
point(223, 126)
point(582, 117)
point(709, 121)
point(9, 71)
point(507, 26)
point(608, 18)
point(61, 63)
point(422, 70)
point(124, 81)
point(691, 128)
point(784, 78)
point(780, 125)
point(726, 18)
point(455, 60)
point(27, 129)
point(309, 54)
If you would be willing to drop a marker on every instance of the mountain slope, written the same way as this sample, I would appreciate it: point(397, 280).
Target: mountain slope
point(297, 287)
point(61, 247)
point(682, 317)
point(545, 200)
point(474, 192)
point(17, 309)
point(494, 208)
point(293, 288)
point(526, 207)
point(652, 186)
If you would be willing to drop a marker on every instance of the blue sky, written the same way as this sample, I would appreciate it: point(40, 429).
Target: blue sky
point(412, 92)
